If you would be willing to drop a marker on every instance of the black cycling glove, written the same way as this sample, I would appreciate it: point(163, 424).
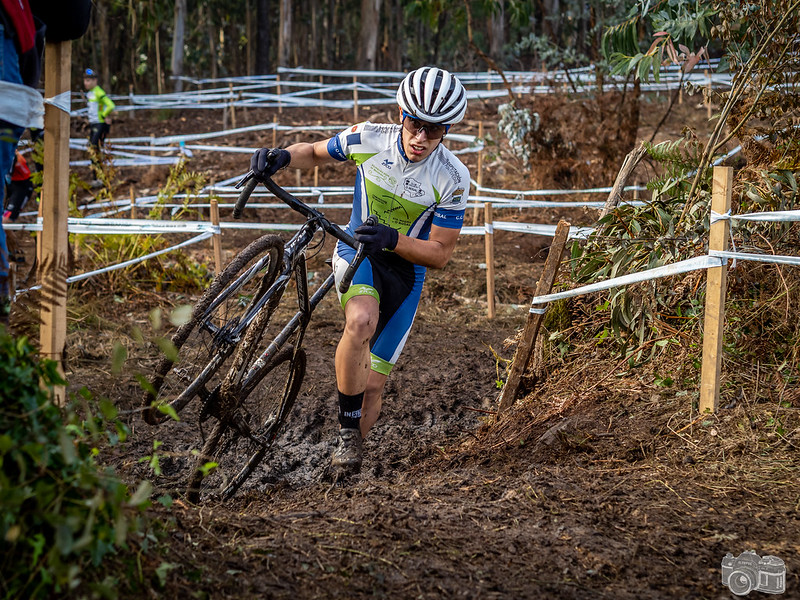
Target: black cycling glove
point(265, 162)
point(377, 237)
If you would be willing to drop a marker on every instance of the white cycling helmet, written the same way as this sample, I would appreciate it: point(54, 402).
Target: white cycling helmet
point(433, 95)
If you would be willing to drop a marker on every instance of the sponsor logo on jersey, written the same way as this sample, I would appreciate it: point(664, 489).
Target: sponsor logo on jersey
point(387, 163)
point(412, 188)
point(353, 139)
point(380, 176)
point(448, 166)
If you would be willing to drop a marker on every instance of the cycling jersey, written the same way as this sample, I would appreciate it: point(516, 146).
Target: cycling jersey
point(99, 105)
point(408, 196)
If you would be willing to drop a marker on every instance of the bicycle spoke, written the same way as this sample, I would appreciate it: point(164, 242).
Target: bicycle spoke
point(202, 350)
point(262, 412)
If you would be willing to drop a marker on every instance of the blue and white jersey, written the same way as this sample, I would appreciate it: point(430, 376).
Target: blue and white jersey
point(408, 196)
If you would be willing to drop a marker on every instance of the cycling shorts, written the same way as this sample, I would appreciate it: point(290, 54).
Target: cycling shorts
point(397, 286)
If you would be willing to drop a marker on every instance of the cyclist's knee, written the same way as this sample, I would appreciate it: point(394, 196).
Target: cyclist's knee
point(361, 324)
point(361, 317)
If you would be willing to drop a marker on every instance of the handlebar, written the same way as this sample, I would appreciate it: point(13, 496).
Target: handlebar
point(249, 183)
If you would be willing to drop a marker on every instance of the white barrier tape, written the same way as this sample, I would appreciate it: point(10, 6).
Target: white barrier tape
point(684, 266)
point(127, 263)
point(601, 190)
point(765, 258)
point(61, 101)
point(579, 233)
point(715, 216)
point(95, 226)
point(21, 105)
point(771, 216)
point(537, 310)
point(488, 228)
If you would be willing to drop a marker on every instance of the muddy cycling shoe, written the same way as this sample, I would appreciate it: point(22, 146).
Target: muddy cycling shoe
point(346, 459)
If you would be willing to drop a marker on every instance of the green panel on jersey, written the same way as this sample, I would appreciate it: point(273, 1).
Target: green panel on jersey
point(360, 158)
point(395, 211)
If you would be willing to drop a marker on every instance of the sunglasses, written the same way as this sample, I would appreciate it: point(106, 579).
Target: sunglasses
point(415, 126)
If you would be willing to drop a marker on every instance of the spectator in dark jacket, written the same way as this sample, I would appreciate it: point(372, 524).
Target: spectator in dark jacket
point(23, 28)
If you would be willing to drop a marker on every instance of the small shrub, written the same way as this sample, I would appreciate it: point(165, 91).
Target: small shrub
point(60, 512)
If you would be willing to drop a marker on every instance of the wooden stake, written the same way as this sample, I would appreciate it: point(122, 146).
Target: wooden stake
point(534, 320)
point(130, 100)
point(133, 202)
point(152, 153)
point(321, 83)
point(316, 176)
point(216, 239)
point(478, 176)
point(716, 282)
point(280, 106)
point(274, 131)
point(55, 209)
point(489, 238)
point(233, 107)
point(355, 99)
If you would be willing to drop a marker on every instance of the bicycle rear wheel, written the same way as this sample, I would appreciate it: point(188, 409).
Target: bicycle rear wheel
point(218, 470)
point(201, 351)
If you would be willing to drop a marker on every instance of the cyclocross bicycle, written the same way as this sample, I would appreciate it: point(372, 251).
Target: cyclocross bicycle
point(246, 387)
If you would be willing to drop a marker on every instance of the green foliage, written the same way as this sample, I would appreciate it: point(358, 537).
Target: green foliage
point(631, 239)
point(60, 512)
point(174, 270)
point(668, 27)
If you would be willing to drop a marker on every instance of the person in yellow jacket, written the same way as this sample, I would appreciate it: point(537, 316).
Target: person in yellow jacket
point(100, 107)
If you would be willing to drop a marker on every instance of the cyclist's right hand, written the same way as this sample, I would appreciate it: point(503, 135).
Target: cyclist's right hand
point(268, 161)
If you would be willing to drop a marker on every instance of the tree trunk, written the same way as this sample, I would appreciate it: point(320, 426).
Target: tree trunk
point(101, 18)
point(370, 27)
point(212, 45)
point(497, 31)
point(285, 33)
point(262, 37)
point(178, 36)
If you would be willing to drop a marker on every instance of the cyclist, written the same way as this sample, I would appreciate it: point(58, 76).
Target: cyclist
point(418, 190)
point(100, 108)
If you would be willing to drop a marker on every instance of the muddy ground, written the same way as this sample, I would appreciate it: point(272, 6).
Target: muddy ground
point(600, 483)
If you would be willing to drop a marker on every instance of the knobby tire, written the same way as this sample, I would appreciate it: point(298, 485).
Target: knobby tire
point(200, 356)
point(265, 409)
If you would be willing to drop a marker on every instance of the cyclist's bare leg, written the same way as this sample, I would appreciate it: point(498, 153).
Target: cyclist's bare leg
point(352, 372)
point(352, 354)
point(371, 408)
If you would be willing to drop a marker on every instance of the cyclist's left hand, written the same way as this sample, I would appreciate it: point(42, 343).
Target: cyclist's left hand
point(377, 237)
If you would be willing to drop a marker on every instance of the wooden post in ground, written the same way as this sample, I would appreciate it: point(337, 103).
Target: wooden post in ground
point(152, 154)
point(233, 105)
point(321, 84)
point(216, 239)
point(535, 317)
point(355, 99)
point(280, 106)
point(55, 209)
point(716, 280)
point(478, 177)
point(316, 176)
point(133, 202)
point(489, 237)
point(274, 131)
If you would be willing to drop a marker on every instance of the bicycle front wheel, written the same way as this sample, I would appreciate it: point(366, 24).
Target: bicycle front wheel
point(200, 345)
point(219, 470)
